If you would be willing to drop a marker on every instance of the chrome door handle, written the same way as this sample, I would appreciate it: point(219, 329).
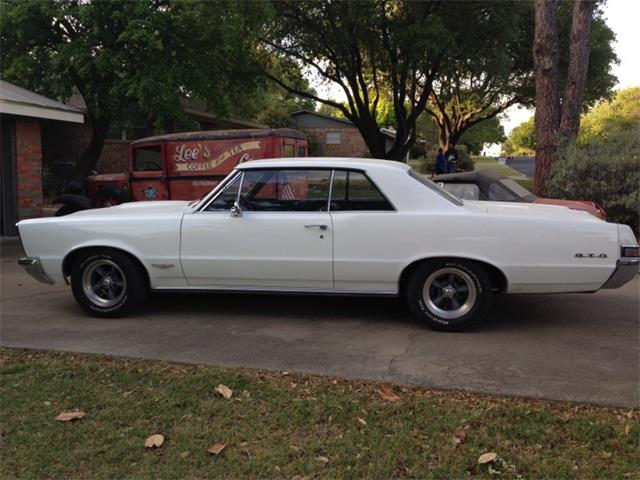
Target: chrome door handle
point(321, 227)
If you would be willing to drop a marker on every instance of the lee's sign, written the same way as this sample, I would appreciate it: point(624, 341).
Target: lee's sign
point(197, 157)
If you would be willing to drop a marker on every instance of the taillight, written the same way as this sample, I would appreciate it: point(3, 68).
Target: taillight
point(629, 251)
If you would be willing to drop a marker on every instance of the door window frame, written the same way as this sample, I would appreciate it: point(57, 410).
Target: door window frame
point(240, 172)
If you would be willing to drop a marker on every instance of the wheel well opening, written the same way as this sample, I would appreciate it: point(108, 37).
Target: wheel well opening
point(70, 259)
point(496, 276)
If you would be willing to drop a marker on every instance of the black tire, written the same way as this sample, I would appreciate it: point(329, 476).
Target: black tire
point(458, 294)
point(67, 210)
point(126, 292)
point(109, 196)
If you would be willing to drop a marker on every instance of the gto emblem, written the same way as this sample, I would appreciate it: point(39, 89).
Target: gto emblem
point(591, 255)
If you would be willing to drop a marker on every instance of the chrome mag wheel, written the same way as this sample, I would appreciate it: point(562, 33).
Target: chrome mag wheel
point(449, 293)
point(104, 283)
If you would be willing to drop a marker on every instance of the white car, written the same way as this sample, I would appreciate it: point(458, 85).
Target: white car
point(330, 225)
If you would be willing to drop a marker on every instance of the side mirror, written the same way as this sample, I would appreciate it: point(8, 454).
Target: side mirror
point(440, 184)
point(236, 210)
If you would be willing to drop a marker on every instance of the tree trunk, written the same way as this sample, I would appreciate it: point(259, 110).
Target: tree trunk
point(578, 67)
point(88, 159)
point(547, 116)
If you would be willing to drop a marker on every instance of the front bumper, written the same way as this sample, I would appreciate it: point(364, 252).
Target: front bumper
point(625, 271)
point(34, 268)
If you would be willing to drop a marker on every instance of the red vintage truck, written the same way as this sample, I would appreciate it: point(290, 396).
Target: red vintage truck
point(183, 166)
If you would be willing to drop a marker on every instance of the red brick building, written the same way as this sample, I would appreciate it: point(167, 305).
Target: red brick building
point(334, 137)
point(23, 116)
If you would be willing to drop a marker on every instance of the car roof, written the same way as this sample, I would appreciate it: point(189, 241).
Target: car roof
point(326, 162)
point(221, 135)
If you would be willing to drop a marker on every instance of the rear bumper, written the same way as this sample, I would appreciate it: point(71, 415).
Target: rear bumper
point(34, 268)
point(625, 271)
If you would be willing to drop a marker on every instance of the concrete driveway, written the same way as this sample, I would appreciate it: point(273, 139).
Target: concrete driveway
point(577, 347)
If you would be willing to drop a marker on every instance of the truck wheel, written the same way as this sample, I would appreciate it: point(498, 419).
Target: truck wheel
point(108, 283)
point(67, 210)
point(110, 196)
point(449, 295)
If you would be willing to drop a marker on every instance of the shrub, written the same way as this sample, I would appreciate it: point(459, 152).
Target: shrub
point(606, 172)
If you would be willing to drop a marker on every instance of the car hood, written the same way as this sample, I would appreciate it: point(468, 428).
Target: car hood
point(135, 208)
point(531, 210)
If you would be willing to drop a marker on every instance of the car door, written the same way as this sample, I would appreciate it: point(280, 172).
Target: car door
point(279, 236)
point(367, 246)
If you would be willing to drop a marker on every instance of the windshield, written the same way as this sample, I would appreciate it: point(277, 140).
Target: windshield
point(432, 186)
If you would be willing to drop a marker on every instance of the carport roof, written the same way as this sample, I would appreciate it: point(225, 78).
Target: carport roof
point(15, 100)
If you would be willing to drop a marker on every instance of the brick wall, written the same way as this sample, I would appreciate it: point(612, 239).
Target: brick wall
point(28, 167)
point(64, 142)
point(351, 142)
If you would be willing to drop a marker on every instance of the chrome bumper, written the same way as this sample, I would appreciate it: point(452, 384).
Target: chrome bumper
point(625, 271)
point(34, 268)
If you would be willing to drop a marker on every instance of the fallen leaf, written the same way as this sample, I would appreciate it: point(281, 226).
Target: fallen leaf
point(387, 394)
point(459, 436)
point(362, 421)
point(605, 454)
point(154, 441)
point(69, 416)
point(225, 391)
point(322, 459)
point(184, 454)
point(487, 458)
point(216, 448)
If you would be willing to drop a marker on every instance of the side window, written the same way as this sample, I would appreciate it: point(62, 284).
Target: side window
point(226, 199)
point(147, 159)
point(285, 190)
point(354, 191)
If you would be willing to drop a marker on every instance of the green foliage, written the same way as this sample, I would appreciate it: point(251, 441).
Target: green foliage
point(606, 172)
point(482, 133)
point(371, 50)
point(133, 59)
point(522, 140)
point(611, 119)
point(604, 123)
point(491, 67)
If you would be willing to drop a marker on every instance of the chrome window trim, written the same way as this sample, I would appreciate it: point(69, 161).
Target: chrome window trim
point(207, 201)
point(363, 172)
point(213, 195)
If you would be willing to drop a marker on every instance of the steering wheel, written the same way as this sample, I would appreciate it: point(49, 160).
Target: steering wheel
point(244, 203)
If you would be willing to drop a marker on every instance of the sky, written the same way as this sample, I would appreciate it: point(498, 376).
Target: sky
point(622, 16)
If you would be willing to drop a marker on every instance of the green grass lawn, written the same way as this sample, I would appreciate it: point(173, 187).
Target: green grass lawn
point(490, 162)
point(286, 426)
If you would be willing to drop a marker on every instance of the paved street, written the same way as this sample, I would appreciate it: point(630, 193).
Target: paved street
point(525, 165)
point(568, 347)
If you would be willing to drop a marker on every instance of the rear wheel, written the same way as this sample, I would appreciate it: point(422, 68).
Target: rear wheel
point(449, 295)
point(108, 283)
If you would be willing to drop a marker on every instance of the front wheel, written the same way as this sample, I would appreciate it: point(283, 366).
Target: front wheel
point(108, 283)
point(449, 295)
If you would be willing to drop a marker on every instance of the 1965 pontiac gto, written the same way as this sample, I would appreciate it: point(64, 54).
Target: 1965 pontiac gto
point(330, 225)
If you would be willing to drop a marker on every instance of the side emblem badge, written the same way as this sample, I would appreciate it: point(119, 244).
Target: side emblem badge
point(591, 255)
